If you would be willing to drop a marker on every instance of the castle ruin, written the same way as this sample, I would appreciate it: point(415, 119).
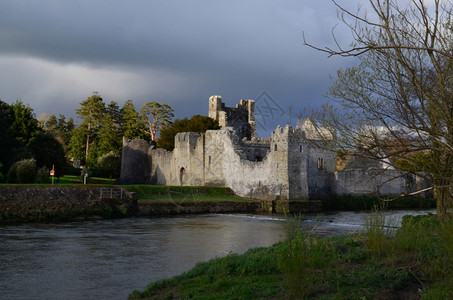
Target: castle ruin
point(290, 165)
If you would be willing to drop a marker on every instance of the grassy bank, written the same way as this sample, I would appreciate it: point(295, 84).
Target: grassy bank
point(178, 194)
point(415, 262)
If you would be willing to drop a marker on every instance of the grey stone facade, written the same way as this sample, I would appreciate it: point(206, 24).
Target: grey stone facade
point(286, 166)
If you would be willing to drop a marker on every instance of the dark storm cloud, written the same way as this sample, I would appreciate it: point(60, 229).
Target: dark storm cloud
point(55, 53)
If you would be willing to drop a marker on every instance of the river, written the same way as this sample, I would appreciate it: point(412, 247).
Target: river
point(108, 259)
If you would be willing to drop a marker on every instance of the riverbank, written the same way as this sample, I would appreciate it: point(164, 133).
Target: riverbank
point(42, 203)
point(415, 262)
point(64, 202)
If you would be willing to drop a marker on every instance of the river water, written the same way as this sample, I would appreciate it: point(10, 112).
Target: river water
point(108, 259)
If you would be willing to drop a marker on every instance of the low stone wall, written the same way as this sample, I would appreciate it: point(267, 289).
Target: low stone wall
point(157, 209)
point(55, 203)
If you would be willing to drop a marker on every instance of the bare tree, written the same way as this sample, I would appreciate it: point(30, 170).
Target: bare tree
point(399, 95)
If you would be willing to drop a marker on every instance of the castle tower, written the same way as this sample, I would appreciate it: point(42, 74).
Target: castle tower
point(241, 118)
point(215, 106)
point(289, 157)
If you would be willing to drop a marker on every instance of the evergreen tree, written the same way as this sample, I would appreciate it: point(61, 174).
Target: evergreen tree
point(51, 125)
point(132, 126)
point(65, 130)
point(109, 136)
point(24, 125)
point(91, 112)
point(114, 111)
point(77, 143)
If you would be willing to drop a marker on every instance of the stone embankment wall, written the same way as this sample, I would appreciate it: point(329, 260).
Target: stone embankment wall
point(156, 209)
point(57, 203)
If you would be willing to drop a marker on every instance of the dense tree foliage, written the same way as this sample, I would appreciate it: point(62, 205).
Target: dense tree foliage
point(196, 123)
point(132, 125)
point(54, 141)
point(91, 112)
point(61, 129)
point(49, 152)
point(18, 127)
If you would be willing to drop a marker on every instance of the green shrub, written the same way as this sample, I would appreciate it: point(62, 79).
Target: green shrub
point(26, 171)
point(2, 177)
point(12, 173)
point(110, 163)
point(43, 175)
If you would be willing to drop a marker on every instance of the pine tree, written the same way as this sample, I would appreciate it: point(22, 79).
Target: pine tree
point(109, 137)
point(91, 112)
point(132, 126)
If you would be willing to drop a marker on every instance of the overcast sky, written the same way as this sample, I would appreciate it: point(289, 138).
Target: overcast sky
point(55, 54)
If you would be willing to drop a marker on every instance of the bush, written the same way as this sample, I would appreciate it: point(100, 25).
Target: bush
point(12, 173)
point(110, 163)
point(22, 171)
point(43, 175)
point(26, 171)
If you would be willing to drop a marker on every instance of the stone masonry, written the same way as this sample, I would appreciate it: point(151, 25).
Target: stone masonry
point(289, 165)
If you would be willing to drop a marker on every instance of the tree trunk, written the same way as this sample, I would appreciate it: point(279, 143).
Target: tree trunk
point(87, 148)
point(444, 199)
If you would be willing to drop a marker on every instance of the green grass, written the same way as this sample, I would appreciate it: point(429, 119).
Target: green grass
point(72, 180)
point(148, 194)
point(414, 262)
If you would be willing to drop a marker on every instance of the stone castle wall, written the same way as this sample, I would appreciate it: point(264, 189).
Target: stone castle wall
point(135, 164)
point(264, 169)
point(383, 182)
point(288, 165)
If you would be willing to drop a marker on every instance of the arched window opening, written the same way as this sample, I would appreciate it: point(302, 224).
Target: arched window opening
point(182, 176)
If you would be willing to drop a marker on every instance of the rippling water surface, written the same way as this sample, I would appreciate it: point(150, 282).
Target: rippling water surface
point(109, 259)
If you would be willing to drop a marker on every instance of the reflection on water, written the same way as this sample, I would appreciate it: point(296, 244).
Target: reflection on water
point(109, 259)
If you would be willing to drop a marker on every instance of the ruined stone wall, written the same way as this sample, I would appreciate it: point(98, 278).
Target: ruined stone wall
point(188, 157)
point(256, 149)
point(161, 167)
point(384, 182)
point(292, 164)
point(320, 171)
point(135, 164)
point(217, 158)
point(230, 167)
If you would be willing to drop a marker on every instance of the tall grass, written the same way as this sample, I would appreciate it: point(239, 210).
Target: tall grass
point(378, 230)
point(423, 246)
point(303, 260)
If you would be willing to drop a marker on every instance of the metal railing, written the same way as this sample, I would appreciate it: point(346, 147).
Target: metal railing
point(111, 193)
